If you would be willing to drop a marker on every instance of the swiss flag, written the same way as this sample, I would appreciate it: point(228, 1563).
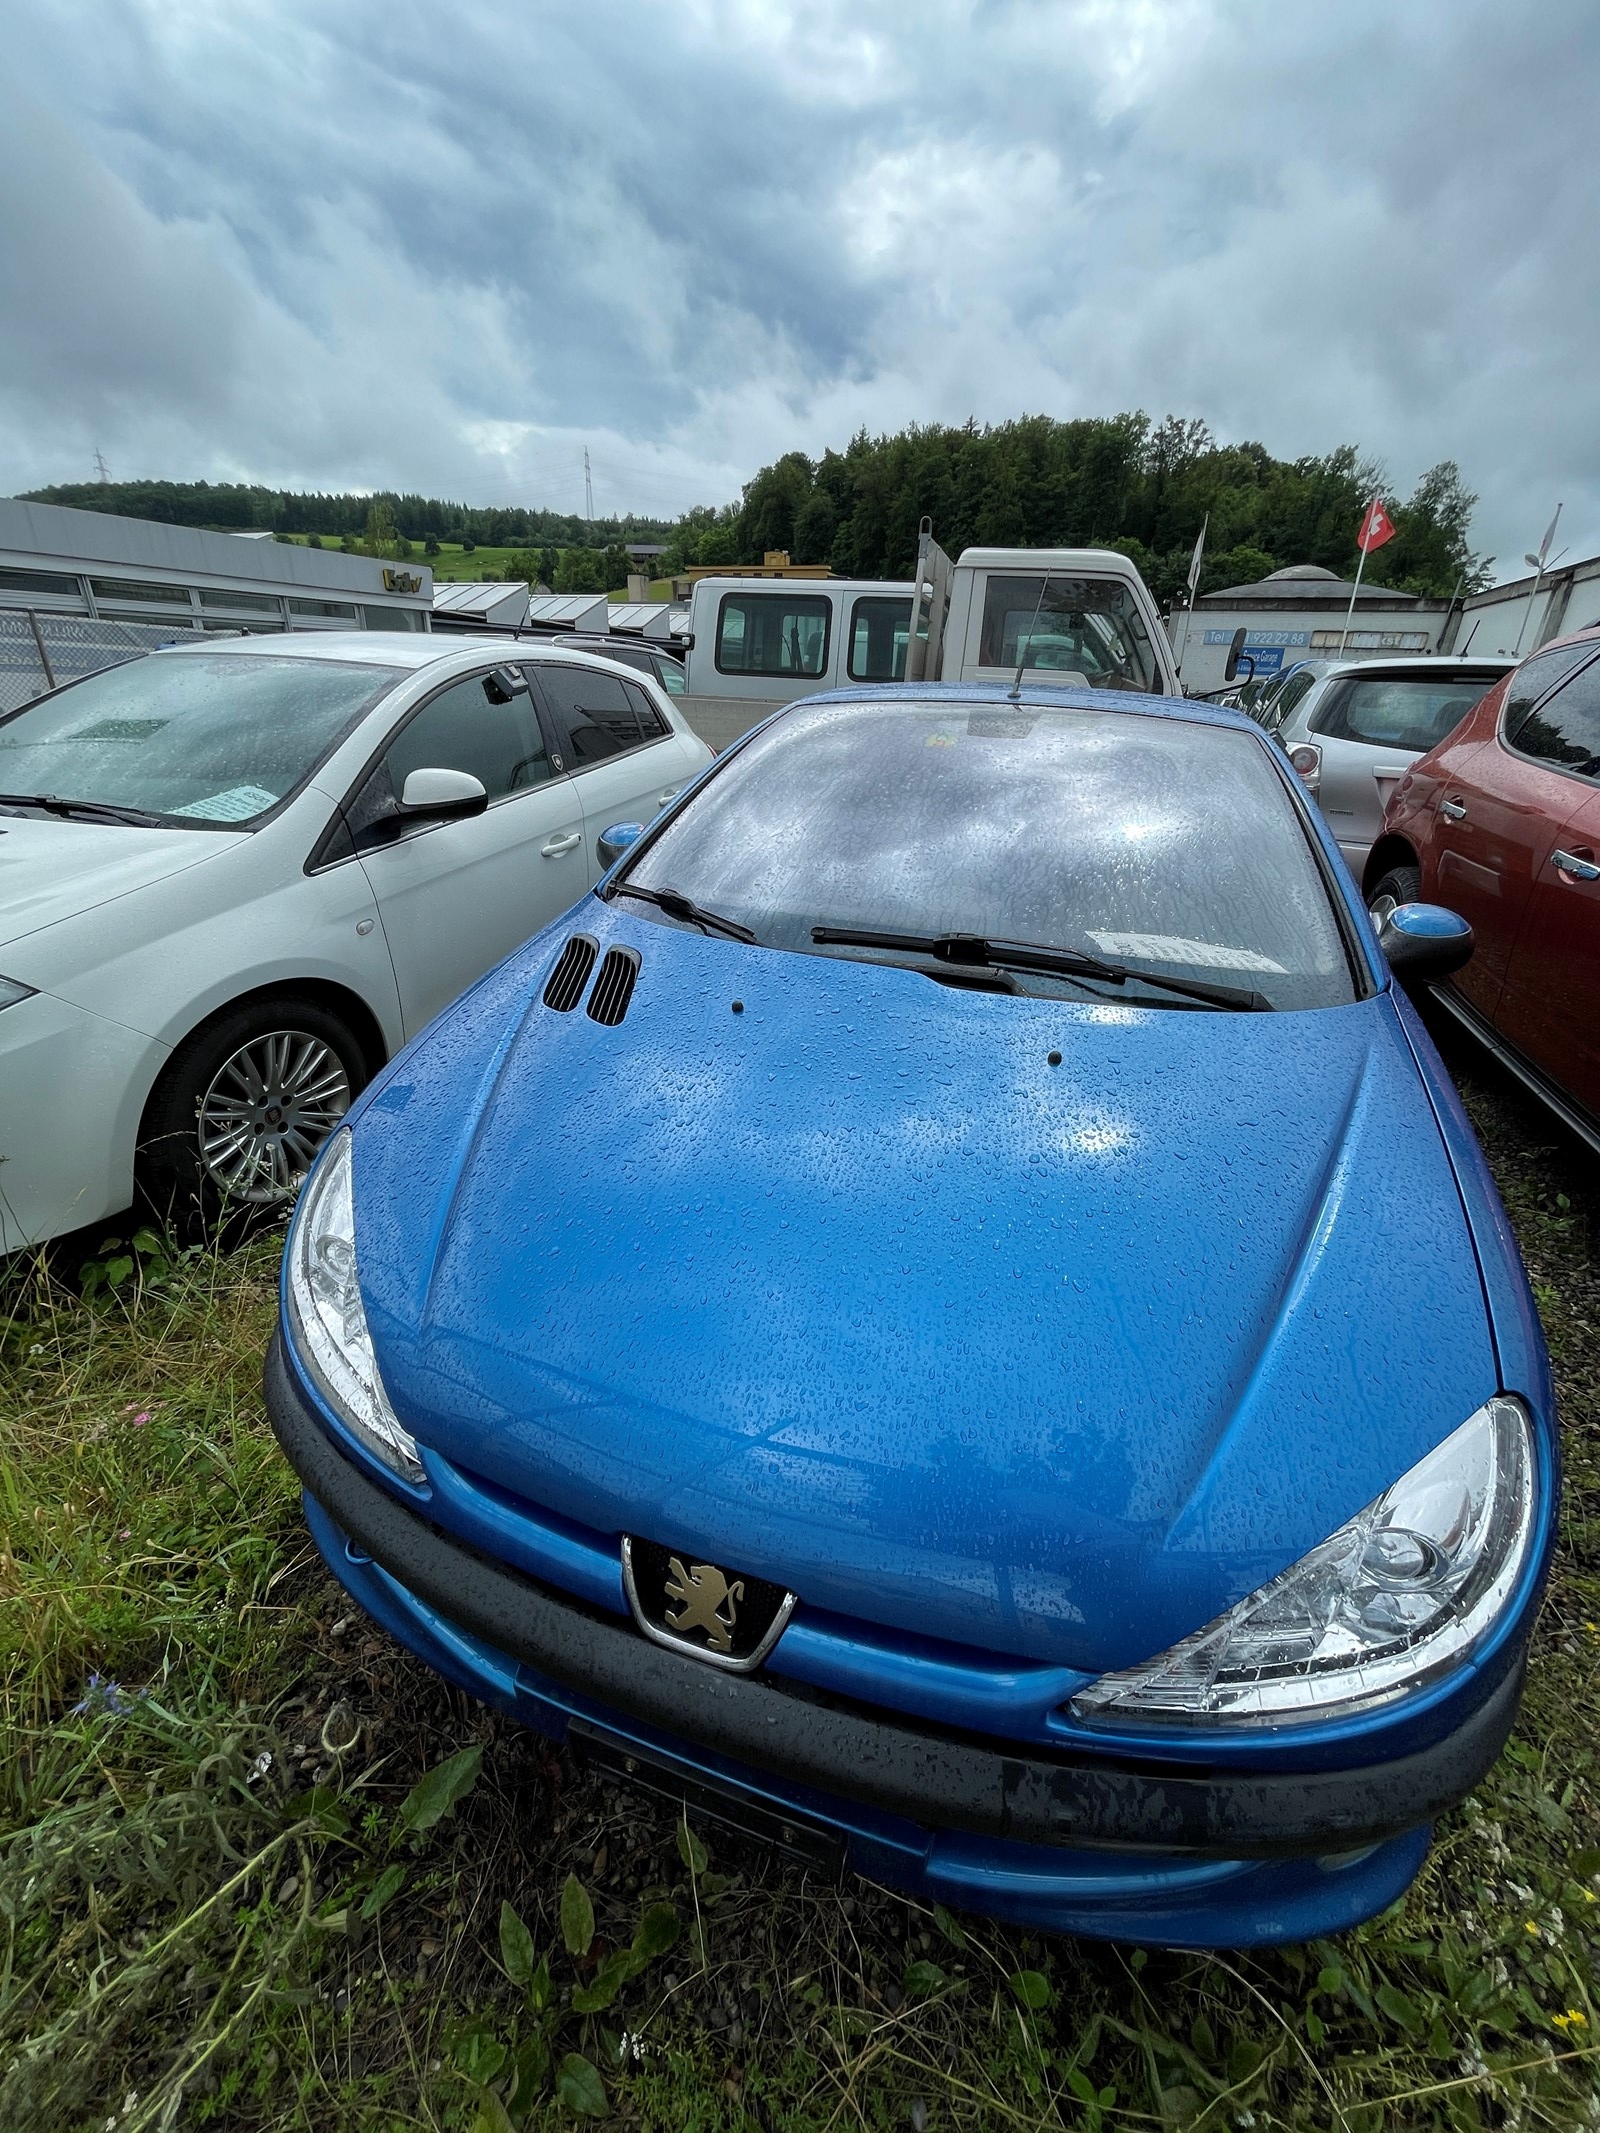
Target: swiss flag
point(1376, 528)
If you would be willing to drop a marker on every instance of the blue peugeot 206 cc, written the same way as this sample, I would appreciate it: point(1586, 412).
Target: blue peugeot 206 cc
point(949, 1315)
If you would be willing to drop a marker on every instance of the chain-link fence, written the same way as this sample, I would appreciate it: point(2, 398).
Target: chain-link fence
point(40, 652)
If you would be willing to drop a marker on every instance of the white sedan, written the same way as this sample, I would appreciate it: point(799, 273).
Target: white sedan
point(234, 879)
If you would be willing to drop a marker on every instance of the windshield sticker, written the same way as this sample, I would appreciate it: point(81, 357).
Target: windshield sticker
point(1168, 948)
point(237, 804)
point(118, 729)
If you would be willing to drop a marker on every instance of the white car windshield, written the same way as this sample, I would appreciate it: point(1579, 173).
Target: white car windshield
point(1161, 844)
point(196, 739)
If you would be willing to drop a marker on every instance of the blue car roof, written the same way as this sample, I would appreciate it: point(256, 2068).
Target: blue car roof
point(1040, 696)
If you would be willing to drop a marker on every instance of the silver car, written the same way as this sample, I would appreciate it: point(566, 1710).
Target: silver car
point(1353, 728)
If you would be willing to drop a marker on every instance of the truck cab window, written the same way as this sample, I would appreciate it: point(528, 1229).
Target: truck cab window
point(1068, 626)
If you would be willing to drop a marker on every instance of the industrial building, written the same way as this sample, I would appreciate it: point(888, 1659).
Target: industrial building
point(82, 589)
point(1303, 613)
point(1300, 613)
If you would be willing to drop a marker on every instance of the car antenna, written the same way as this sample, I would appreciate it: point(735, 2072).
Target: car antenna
point(1023, 649)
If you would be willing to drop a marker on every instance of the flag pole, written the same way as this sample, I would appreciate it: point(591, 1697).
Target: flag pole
point(1183, 644)
point(1344, 635)
point(1194, 580)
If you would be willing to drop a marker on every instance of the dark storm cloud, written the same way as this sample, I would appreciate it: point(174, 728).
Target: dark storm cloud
point(447, 248)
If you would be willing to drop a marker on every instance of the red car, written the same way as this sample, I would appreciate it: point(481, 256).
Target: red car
point(1501, 822)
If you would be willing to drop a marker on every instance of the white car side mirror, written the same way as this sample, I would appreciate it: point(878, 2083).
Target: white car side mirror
point(443, 792)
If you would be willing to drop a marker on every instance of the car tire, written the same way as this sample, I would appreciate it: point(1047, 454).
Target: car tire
point(242, 1107)
point(1401, 885)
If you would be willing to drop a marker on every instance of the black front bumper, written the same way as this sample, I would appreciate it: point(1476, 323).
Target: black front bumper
point(942, 1779)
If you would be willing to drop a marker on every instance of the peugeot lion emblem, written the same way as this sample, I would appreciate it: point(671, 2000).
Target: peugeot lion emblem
point(704, 1591)
point(727, 1618)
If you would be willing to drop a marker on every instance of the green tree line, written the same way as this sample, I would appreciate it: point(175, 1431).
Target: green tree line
point(1120, 481)
point(1117, 481)
point(580, 569)
point(247, 507)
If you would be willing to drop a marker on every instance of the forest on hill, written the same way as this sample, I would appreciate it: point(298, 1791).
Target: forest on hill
point(1117, 481)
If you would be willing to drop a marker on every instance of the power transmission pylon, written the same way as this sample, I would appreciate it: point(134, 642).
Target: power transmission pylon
point(588, 489)
point(102, 472)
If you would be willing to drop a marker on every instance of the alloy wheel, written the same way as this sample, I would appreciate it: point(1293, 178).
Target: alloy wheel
point(269, 1108)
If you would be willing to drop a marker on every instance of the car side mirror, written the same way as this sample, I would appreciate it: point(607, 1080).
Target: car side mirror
point(1235, 653)
point(443, 793)
point(1424, 942)
point(613, 842)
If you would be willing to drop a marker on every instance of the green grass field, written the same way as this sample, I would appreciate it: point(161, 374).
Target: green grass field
point(259, 1869)
point(453, 565)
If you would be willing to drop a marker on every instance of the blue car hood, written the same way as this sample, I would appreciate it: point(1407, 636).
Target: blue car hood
point(854, 1291)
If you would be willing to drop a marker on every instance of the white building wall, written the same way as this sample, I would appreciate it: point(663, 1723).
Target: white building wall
point(1283, 636)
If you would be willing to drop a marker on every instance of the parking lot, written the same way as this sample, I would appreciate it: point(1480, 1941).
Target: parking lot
point(220, 1907)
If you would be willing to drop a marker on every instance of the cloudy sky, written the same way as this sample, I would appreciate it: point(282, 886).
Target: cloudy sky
point(446, 247)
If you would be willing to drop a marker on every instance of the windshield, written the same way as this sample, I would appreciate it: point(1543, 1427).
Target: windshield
point(1410, 711)
point(1156, 842)
point(1087, 629)
point(204, 739)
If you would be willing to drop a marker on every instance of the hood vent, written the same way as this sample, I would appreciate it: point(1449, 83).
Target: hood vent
point(571, 974)
point(613, 989)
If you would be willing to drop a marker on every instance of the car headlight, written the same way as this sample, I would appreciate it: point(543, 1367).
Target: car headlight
point(330, 1323)
point(1390, 1601)
point(12, 990)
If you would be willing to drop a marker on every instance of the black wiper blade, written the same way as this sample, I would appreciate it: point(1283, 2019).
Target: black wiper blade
point(974, 950)
point(1235, 996)
point(96, 810)
point(677, 905)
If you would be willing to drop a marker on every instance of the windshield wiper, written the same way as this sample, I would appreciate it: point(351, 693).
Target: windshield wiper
point(96, 810)
point(677, 905)
point(973, 951)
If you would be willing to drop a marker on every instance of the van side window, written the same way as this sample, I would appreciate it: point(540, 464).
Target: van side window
point(773, 633)
point(880, 630)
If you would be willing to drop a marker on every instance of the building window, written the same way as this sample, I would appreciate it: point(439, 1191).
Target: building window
point(136, 589)
point(329, 610)
point(38, 581)
point(1368, 640)
point(266, 603)
point(391, 618)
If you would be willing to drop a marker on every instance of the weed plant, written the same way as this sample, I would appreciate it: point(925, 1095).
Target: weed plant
point(259, 1869)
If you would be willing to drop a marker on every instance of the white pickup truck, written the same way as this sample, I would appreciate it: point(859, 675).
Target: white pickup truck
point(1081, 615)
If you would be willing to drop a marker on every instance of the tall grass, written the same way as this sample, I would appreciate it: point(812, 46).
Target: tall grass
point(259, 1869)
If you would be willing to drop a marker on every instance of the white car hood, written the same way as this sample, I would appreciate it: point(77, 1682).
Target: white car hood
point(53, 870)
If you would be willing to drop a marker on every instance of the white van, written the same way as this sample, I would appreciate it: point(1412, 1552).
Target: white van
point(1080, 616)
point(758, 643)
